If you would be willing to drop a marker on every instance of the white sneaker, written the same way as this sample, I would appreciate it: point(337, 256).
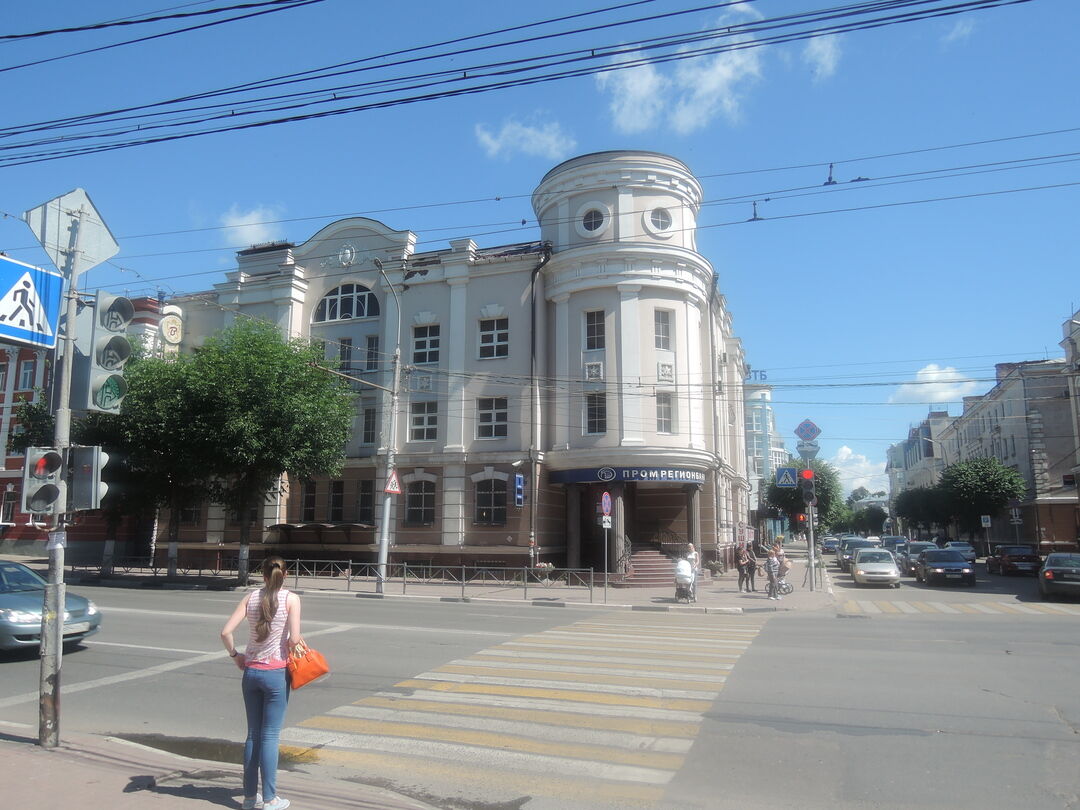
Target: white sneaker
point(253, 804)
point(276, 803)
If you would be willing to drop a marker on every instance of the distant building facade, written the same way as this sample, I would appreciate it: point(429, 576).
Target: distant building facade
point(600, 358)
point(765, 454)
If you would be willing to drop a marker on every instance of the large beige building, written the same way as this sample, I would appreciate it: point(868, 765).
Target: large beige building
point(599, 358)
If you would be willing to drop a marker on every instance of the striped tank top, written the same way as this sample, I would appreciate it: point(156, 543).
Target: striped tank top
point(273, 651)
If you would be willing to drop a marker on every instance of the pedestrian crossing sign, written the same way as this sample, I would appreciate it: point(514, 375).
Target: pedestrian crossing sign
point(29, 303)
point(785, 477)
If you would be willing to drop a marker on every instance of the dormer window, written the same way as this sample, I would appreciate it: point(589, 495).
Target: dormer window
point(346, 302)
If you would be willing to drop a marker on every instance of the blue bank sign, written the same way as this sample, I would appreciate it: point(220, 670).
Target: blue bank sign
point(593, 474)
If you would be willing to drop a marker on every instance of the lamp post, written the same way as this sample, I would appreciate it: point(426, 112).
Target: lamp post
point(391, 442)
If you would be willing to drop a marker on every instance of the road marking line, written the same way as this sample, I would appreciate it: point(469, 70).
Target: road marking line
point(689, 667)
point(969, 609)
point(1072, 610)
point(642, 641)
point(868, 607)
point(506, 702)
point(922, 607)
point(906, 607)
point(682, 724)
point(1017, 608)
point(887, 607)
point(363, 715)
point(93, 642)
point(986, 609)
point(619, 652)
point(493, 757)
point(581, 696)
point(586, 686)
point(942, 607)
point(851, 606)
point(585, 668)
point(556, 676)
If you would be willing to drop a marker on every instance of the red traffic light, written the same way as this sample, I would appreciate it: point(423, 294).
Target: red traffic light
point(801, 517)
point(807, 474)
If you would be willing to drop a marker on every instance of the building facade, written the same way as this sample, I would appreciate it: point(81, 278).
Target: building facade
point(766, 453)
point(535, 377)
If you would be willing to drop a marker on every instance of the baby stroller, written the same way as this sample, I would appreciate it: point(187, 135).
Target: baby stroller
point(684, 582)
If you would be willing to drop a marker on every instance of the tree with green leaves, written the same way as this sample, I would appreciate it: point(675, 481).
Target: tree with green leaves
point(870, 519)
point(923, 507)
point(857, 495)
point(827, 487)
point(980, 486)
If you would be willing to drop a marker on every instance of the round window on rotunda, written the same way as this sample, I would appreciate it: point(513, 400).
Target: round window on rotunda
point(593, 220)
point(661, 219)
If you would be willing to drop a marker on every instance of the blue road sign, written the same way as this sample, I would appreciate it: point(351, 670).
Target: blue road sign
point(29, 303)
point(807, 430)
point(785, 477)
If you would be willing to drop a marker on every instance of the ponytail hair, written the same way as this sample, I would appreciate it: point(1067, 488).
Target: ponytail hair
point(273, 571)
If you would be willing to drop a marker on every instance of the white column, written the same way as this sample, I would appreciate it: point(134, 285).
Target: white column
point(458, 334)
point(454, 507)
point(560, 429)
point(692, 378)
point(630, 396)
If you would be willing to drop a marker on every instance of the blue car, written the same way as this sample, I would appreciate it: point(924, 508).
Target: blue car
point(22, 594)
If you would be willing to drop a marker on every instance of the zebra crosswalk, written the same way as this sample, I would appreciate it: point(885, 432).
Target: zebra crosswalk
point(598, 712)
point(906, 607)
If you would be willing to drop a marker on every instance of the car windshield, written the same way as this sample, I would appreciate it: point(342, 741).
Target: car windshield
point(943, 556)
point(1063, 561)
point(875, 557)
point(1014, 551)
point(15, 577)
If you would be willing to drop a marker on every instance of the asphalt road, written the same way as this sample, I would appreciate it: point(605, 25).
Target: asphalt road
point(503, 706)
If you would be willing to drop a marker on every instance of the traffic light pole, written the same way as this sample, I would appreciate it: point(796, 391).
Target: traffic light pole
point(810, 543)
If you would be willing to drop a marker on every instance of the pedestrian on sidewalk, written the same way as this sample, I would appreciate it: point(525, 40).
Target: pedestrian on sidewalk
point(273, 617)
point(692, 558)
point(745, 567)
point(751, 569)
point(772, 569)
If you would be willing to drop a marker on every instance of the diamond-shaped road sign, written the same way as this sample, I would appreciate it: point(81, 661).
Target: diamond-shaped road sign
point(785, 477)
point(807, 430)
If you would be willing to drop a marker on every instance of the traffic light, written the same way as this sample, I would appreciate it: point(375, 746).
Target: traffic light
point(801, 520)
point(519, 489)
point(44, 491)
point(87, 488)
point(806, 482)
point(98, 378)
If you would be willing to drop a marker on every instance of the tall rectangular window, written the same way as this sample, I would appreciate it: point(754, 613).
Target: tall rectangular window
point(492, 417)
point(494, 338)
point(345, 354)
point(26, 374)
point(190, 514)
point(662, 329)
point(426, 344)
point(490, 502)
point(307, 502)
point(3, 376)
point(367, 435)
point(420, 503)
point(365, 501)
point(337, 501)
point(10, 499)
point(664, 414)
point(596, 413)
point(594, 330)
point(371, 356)
point(424, 424)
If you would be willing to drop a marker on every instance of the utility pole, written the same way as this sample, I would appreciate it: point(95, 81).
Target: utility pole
point(391, 461)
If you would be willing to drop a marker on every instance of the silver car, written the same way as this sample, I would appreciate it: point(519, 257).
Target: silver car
point(22, 595)
point(965, 549)
point(875, 566)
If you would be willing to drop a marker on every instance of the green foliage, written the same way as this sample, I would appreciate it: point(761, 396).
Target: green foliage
point(36, 419)
point(923, 507)
point(870, 520)
point(857, 494)
point(981, 486)
point(826, 485)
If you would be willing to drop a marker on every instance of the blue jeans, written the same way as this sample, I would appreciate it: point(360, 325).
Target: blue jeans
point(266, 694)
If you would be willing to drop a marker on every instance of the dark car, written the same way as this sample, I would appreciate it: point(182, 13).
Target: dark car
point(911, 554)
point(21, 601)
point(847, 551)
point(1060, 575)
point(829, 545)
point(944, 565)
point(1013, 560)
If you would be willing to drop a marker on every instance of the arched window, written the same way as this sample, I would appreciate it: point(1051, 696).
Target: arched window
point(345, 302)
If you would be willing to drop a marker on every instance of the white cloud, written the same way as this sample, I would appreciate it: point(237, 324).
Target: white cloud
point(823, 55)
point(934, 383)
point(638, 95)
point(252, 226)
point(546, 140)
point(710, 86)
point(856, 470)
point(961, 30)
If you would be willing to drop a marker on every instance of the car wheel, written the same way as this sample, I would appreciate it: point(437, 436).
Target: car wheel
point(896, 584)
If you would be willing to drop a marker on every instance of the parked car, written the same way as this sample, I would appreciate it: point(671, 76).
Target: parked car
point(21, 600)
point(847, 552)
point(1013, 560)
point(964, 548)
point(875, 566)
point(944, 565)
point(891, 541)
point(1060, 575)
point(911, 554)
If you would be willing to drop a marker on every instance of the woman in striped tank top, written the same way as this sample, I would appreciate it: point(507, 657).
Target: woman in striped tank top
point(273, 616)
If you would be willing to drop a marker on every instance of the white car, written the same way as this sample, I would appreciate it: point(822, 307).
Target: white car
point(966, 549)
point(875, 566)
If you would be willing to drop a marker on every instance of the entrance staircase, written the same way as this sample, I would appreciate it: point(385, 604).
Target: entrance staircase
point(649, 567)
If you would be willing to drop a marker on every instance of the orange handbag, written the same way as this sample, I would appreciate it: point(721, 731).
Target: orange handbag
point(305, 665)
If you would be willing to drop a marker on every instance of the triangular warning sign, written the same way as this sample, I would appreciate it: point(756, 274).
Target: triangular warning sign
point(393, 486)
point(20, 307)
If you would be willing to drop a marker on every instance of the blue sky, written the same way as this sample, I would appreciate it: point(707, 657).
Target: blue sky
point(841, 293)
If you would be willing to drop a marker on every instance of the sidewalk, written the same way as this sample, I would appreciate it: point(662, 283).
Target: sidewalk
point(714, 594)
point(91, 771)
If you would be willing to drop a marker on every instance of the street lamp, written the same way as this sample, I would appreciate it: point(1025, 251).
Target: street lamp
point(391, 443)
